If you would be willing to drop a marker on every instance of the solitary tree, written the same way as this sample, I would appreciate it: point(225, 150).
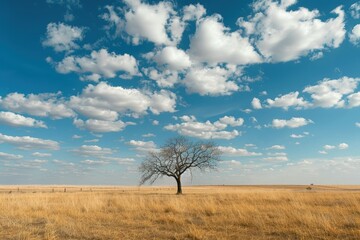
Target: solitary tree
point(176, 157)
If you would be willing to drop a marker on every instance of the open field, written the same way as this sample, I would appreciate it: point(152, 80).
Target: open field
point(203, 212)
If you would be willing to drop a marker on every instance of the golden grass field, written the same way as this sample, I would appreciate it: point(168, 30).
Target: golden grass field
point(202, 212)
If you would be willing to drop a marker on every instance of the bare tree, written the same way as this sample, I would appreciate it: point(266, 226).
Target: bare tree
point(176, 157)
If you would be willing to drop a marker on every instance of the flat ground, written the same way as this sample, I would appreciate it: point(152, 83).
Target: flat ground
point(203, 212)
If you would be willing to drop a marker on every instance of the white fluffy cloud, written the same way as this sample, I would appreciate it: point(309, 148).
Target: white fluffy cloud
point(327, 93)
point(164, 79)
point(354, 36)
point(94, 162)
point(17, 120)
point(214, 43)
point(193, 12)
point(284, 35)
point(341, 146)
point(100, 64)
point(276, 156)
point(276, 147)
point(294, 122)
point(231, 121)
point(143, 146)
point(101, 154)
point(297, 135)
point(95, 125)
point(354, 100)
point(231, 151)
point(288, 100)
point(42, 105)
point(105, 102)
point(92, 151)
point(213, 81)
point(355, 10)
point(62, 37)
point(29, 143)
point(256, 104)
point(173, 58)
point(9, 156)
point(205, 130)
point(157, 23)
point(329, 147)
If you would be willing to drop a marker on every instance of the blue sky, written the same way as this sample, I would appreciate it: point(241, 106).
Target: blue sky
point(88, 87)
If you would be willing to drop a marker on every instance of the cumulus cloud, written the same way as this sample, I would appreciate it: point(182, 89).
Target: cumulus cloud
point(101, 154)
point(276, 156)
point(353, 100)
point(95, 125)
point(294, 122)
point(62, 37)
point(105, 102)
point(329, 147)
point(327, 93)
point(172, 58)
point(297, 135)
point(256, 104)
point(193, 12)
point(276, 147)
point(29, 143)
point(205, 130)
point(99, 64)
point(213, 81)
point(354, 36)
point(92, 151)
point(283, 35)
point(231, 121)
point(355, 10)
point(143, 146)
point(17, 120)
point(341, 146)
point(157, 23)
point(288, 100)
point(9, 156)
point(231, 151)
point(214, 43)
point(165, 78)
point(42, 105)
point(94, 162)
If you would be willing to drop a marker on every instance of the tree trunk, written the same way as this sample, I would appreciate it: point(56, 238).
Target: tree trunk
point(178, 181)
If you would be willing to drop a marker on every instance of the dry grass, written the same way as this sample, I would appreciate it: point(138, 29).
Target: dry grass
point(243, 212)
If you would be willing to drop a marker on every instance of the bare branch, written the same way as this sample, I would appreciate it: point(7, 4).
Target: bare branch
point(176, 157)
